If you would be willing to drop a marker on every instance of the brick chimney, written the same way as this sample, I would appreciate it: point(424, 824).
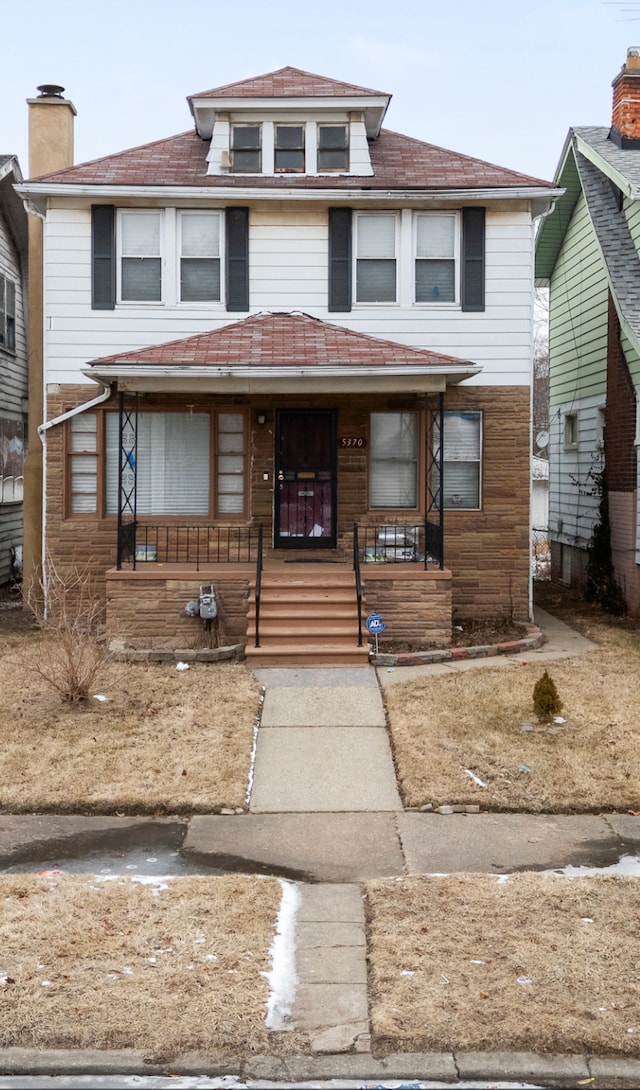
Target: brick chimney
point(51, 122)
point(625, 121)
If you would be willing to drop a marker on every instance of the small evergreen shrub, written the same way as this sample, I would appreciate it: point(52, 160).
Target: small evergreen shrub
point(546, 702)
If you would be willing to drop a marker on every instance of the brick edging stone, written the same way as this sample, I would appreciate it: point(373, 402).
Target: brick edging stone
point(533, 638)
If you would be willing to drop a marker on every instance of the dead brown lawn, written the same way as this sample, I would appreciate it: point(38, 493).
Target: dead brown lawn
point(91, 964)
point(539, 963)
point(473, 720)
point(164, 740)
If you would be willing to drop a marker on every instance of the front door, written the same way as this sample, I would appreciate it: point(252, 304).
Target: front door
point(305, 501)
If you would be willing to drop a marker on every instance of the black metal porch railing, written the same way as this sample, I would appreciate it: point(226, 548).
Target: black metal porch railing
point(194, 545)
point(358, 577)
point(259, 566)
point(394, 543)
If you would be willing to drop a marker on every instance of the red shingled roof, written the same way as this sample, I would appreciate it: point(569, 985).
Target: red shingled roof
point(280, 340)
point(399, 162)
point(288, 83)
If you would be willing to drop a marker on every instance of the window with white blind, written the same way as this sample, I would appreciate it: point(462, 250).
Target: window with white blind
point(375, 258)
point(199, 257)
point(139, 240)
point(393, 460)
point(172, 463)
point(82, 455)
point(436, 242)
point(462, 460)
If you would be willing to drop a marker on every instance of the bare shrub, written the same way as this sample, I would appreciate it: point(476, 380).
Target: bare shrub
point(69, 611)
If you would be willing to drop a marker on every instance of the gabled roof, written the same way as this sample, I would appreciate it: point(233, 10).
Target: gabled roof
point(11, 204)
point(293, 347)
point(288, 83)
point(594, 166)
point(399, 162)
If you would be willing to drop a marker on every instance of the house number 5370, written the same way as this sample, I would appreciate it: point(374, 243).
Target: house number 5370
point(350, 441)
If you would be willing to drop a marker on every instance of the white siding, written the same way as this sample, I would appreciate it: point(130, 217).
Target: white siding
point(573, 502)
point(289, 271)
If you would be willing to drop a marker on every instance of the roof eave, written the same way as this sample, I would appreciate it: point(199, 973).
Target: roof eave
point(204, 110)
point(188, 378)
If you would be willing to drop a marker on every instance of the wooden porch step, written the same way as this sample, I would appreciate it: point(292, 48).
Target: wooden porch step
point(306, 655)
point(308, 617)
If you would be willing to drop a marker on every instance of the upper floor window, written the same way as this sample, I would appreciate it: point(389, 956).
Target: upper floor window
point(436, 248)
point(246, 149)
point(375, 259)
point(140, 256)
point(288, 148)
point(7, 314)
point(199, 257)
point(333, 147)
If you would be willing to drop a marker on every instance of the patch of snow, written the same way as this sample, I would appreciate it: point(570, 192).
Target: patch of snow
point(476, 779)
point(100, 697)
point(182, 666)
point(282, 977)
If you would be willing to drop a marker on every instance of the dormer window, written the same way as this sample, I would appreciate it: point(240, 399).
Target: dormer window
point(333, 147)
point(246, 149)
point(289, 149)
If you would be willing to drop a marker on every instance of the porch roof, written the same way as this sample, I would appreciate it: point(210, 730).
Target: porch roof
point(281, 353)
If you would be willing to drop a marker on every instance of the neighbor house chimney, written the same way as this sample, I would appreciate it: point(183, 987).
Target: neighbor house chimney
point(50, 148)
point(625, 121)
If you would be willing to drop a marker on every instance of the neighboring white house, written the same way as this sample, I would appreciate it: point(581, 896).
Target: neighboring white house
point(292, 317)
point(13, 366)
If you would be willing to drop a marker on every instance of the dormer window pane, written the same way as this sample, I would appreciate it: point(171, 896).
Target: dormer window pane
point(333, 148)
point(245, 149)
point(289, 148)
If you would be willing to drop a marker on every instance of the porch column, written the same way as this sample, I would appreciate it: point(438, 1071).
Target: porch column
point(434, 530)
point(127, 479)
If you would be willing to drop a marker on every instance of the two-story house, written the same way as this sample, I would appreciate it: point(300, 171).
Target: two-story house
point(13, 367)
point(588, 251)
point(289, 333)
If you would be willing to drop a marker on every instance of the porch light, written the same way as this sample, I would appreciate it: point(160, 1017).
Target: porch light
point(261, 418)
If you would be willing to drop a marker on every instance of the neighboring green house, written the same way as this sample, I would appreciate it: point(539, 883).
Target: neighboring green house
point(588, 251)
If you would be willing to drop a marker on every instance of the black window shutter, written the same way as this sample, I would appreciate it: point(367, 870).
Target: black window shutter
point(103, 257)
point(473, 220)
point(340, 259)
point(237, 270)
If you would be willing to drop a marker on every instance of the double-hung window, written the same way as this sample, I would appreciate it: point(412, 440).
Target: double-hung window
point(140, 256)
point(7, 314)
point(288, 150)
point(246, 149)
point(437, 243)
point(199, 257)
point(462, 458)
point(333, 147)
point(375, 258)
point(393, 460)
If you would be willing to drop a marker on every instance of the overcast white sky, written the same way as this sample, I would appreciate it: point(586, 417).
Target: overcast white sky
point(501, 79)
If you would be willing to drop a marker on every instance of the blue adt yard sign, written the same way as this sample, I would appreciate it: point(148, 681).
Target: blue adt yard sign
point(375, 625)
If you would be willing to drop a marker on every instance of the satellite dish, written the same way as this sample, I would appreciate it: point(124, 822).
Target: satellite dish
point(542, 439)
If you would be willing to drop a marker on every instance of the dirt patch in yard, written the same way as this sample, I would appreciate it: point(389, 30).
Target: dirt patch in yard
point(538, 963)
point(167, 968)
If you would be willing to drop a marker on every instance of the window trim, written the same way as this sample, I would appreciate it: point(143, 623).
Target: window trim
point(7, 316)
point(361, 214)
point(235, 126)
point(100, 512)
point(457, 259)
point(120, 215)
point(480, 461)
point(419, 461)
point(570, 431)
point(180, 216)
point(277, 125)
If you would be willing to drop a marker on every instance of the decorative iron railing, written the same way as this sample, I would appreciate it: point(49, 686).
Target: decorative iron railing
point(259, 566)
point(395, 543)
point(195, 545)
